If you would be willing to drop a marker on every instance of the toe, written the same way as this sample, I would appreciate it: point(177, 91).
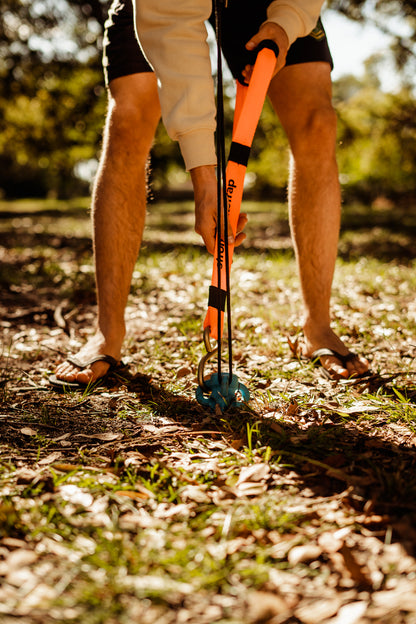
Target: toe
point(66, 372)
point(338, 370)
point(84, 376)
point(69, 372)
point(335, 368)
point(92, 373)
point(357, 366)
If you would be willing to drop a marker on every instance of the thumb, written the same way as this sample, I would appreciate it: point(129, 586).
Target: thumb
point(254, 42)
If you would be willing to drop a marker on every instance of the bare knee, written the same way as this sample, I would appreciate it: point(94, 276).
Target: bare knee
point(133, 113)
point(314, 135)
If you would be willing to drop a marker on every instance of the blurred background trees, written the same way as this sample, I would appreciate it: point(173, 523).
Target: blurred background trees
point(53, 101)
point(51, 94)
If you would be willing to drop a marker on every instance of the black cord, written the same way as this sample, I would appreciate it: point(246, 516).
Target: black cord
point(222, 193)
point(219, 169)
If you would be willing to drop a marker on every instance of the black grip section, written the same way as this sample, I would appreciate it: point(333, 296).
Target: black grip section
point(217, 298)
point(270, 44)
point(239, 153)
point(252, 56)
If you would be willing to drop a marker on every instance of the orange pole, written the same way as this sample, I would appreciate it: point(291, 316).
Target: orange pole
point(249, 104)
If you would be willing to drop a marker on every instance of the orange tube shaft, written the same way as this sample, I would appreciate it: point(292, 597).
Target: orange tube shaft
point(249, 104)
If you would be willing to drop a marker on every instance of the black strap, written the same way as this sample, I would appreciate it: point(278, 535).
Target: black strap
point(270, 44)
point(217, 298)
point(239, 153)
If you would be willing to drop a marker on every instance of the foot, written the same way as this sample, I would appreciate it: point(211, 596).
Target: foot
point(69, 372)
point(353, 366)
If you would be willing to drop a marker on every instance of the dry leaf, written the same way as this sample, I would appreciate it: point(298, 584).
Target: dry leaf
point(317, 611)
point(256, 472)
point(403, 598)
point(164, 511)
point(292, 409)
point(39, 597)
point(26, 475)
point(134, 458)
point(183, 372)
point(304, 554)
point(50, 458)
point(13, 542)
point(20, 558)
point(104, 437)
point(69, 467)
point(237, 444)
point(250, 489)
point(195, 493)
point(350, 613)
point(62, 437)
point(358, 572)
point(132, 494)
point(329, 542)
point(359, 407)
point(137, 518)
point(263, 606)
point(276, 427)
point(28, 431)
point(75, 495)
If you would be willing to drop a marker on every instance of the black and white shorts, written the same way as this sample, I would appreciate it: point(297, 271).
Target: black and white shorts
point(122, 54)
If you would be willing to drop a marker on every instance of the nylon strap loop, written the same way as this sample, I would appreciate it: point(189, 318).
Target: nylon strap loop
point(217, 298)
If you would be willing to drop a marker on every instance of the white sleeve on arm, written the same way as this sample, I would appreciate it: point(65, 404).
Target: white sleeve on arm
point(173, 36)
point(297, 17)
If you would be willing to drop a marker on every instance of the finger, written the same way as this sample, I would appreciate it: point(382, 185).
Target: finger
point(210, 245)
point(207, 231)
point(247, 71)
point(276, 33)
point(242, 221)
point(209, 240)
point(239, 239)
point(230, 234)
point(240, 236)
point(254, 41)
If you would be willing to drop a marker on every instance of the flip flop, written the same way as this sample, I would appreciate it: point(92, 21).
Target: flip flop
point(325, 351)
point(61, 384)
point(344, 359)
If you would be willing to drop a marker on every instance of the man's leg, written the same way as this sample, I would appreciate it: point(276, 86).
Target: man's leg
point(301, 97)
point(118, 214)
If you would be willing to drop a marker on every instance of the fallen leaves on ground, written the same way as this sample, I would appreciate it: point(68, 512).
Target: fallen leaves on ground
point(134, 504)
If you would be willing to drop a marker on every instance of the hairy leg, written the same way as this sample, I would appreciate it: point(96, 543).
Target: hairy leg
point(118, 214)
point(301, 97)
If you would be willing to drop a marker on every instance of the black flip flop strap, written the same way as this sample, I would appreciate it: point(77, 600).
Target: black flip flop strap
point(98, 358)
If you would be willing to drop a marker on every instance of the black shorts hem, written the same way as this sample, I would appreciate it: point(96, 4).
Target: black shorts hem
point(122, 55)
